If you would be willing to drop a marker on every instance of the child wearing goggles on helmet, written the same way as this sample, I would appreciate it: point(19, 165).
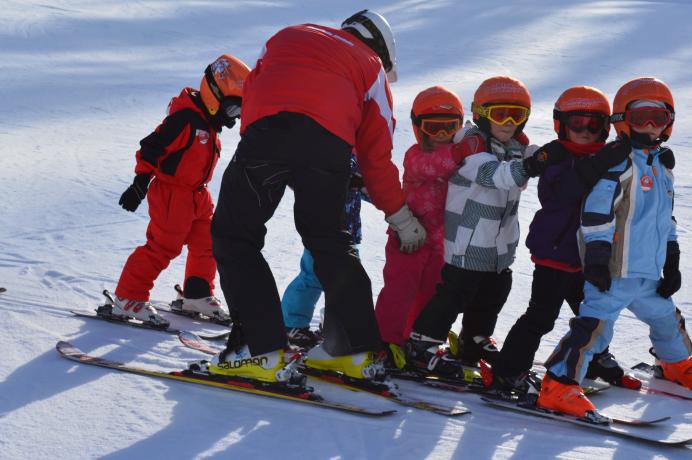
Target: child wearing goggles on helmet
point(174, 165)
point(410, 277)
point(582, 122)
point(629, 237)
point(481, 230)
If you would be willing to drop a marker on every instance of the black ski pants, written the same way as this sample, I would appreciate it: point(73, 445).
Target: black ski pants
point(549, 289)
point(273, 152)
point(478, 295)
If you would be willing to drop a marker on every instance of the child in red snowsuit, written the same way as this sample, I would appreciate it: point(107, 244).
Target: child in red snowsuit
point(410, 275)
point(174, 165)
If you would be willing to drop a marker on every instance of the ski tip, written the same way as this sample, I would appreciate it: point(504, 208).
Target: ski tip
point(189, 336)
point(66, 348)
point(178, 289)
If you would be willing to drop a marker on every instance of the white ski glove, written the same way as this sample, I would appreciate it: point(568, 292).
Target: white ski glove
point(410, 232)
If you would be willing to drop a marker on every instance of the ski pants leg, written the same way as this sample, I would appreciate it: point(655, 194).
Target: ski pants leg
point(200, 259)
point(430, 278)
point(171, 212)
point(301, 295)
point(457, 289)
point(550, 287)
point(402, 275)
point(592, 331)
point(481, 312)
point(273, 151)
point(666, 330)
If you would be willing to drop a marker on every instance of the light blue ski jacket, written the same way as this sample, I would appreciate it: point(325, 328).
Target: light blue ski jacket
point(632, 208)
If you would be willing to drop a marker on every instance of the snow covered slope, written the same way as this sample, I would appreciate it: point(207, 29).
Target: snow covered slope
point(82, 82)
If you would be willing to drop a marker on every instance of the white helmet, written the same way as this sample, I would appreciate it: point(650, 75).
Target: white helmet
point(373, 30)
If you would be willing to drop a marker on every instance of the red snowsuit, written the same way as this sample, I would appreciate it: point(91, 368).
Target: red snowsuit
point(410, 279)
point(181, 155)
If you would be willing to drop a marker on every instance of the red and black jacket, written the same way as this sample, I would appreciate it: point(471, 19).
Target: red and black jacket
point(184, 148)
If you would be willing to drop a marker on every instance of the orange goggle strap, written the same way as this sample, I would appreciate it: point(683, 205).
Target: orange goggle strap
point(485, 112)
point(621, 117)
point(418, 119)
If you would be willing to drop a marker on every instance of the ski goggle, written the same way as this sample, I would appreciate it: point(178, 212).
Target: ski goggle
point(592, 122)
point(440, 126)
point(502, 113)
point(643, 116)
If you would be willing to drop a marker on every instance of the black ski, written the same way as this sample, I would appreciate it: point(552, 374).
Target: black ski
point(297, 394)
point(2, 289)
point(645, 430)
point(384, 390)
point(143, 325)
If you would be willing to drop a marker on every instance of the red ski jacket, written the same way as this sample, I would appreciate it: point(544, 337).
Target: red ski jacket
point(184, 148)
point(335, 79)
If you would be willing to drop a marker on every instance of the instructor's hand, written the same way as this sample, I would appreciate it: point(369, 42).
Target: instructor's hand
point(410, 232)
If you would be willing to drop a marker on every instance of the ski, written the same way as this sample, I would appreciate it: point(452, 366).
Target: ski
point(176, 307)
point(466, 384)
point(249, 386)
point(2, 289)
point(641, 429)
point(143, 325)
point(383, 390)
point(655, 371)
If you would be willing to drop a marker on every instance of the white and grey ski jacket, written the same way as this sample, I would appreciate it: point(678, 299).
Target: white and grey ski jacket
point(481, 221)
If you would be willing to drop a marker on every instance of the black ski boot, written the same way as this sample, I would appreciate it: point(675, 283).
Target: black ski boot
point(523, 387)
point(479, 347)
point(427, 355)
point(604, 366)
point(303, 337)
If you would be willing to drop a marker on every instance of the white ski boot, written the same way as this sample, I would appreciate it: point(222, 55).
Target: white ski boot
point(137, 309)
point(210, 307)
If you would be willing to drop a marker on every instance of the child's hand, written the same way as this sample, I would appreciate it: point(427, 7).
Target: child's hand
point(550, 154)
point(459, 135)
point(135, 193)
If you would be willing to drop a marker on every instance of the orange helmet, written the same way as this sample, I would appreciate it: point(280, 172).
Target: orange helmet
point(502, 90)
point(222, 78)
point(581, 100)
point(641, 88)
point(436, 102)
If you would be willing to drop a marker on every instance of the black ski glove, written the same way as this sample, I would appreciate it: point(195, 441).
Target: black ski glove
point(672, 279)
point(135, 193)
point(550, 154)
point(590, 170)
point(356, 182)
point(667, 158)
point(596, 269)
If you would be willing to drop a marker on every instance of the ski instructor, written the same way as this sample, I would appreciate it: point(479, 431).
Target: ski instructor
point(316, 94)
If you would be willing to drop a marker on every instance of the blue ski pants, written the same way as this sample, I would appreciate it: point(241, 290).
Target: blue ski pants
point(592, 331)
